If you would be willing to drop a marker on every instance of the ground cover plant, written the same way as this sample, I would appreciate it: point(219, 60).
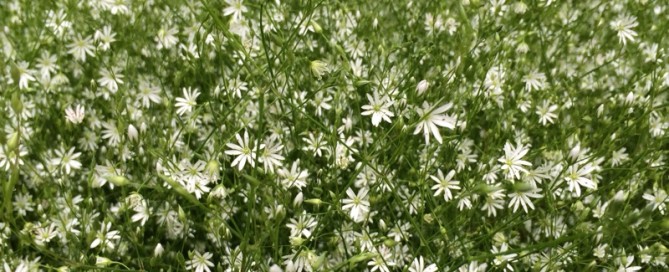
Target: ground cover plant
point(322, 135)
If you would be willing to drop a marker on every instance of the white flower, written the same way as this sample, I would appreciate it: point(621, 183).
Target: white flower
point(81, 47)
point(275, 268)
point(47, 64)
point(148, 93)
point(502, 259)
point(378, 108)
point(321, 103)
point(433, 117)
point(294, 177)
point(193, 179)
point(619, 157)
point(198, 186)
point(243, 150)
point(422, 86)
point(445, 184)
point(67, 160)
point(546, 113)
point(44, 235)
point(319, 68)
point(25, 74)
point(110, 79)
point(115, 6)
point(657, 200)
point(494, 80)
point(534, 81)
point(237, 86)
point(623, 25)
point(166, 38)
point(142, 213)
point(626, 266)
point(315, 143)
point(200, 262)
point(473, 266)
point(382, 259)
point(519, 7)
point(133, 134)
point(111, 133)
point(57, 22)
point(512, 162)
point(418, 265)
point(494, 200)
point(158, 251)
point(106, 37)
point(23, 203)
point(187, 103)
point(522, 198)
point(303, 226)
point(298, 262)
point(271, 156)
point(106, 237)
point(357, 204)
point(235, 8)
point(577, 176)
point(75, 115)
point(600, 251)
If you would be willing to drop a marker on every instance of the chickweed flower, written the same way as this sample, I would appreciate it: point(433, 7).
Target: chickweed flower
point(432, 118)
point(81, 47)
point(356, 204)
point(67, 160)
point(200, 262)
point(623, 26)
point(186, 103)
point(445, 184)
point(319, 68)
point(378, 108)
point(512, 162)
point(243, 150)
point(75, 115)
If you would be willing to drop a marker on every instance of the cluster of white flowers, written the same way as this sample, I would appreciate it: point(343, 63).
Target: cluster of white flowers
point(299, 136)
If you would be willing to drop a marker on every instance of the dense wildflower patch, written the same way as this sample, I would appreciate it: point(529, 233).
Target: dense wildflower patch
point(317, 135)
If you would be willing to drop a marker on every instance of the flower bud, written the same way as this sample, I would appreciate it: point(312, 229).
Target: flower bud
point(361, 257)
point(15, 72)
point(296, 241)
point(317, 262)
point(212, 168)
point(428, 218)
point(17, 105)
point(158, 251)
point(314, 201)
point(298, 200)
point(522, 187)
point(13, 142)
point(275, 268)
point(317, 27)
point(382, 225)
point(94, 85)
point(422, 86)
point(118, 180)
point(182, 214)
point(102, 261)
point(132, 133)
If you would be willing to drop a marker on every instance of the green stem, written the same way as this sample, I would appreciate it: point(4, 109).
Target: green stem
point(14, 178)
